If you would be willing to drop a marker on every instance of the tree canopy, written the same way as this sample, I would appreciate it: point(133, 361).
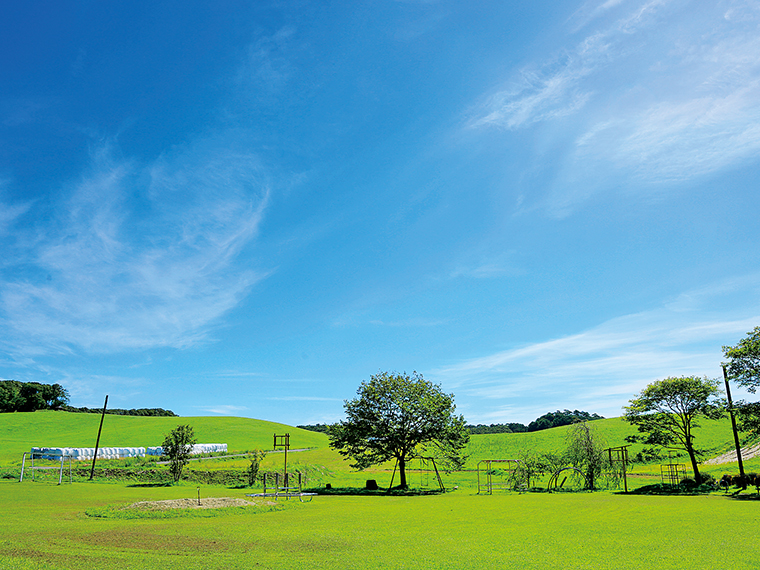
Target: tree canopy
point(177, 446)
point(18, 396)
point(586, 451)
point(744, 360)
point(397, 416)
point(667, 411)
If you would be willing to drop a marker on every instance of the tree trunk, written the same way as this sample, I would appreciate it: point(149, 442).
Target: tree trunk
point(693, 457)
point(402, 472)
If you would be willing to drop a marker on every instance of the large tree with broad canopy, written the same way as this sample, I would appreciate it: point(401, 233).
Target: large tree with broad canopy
point(667, 412)
point(397, 416)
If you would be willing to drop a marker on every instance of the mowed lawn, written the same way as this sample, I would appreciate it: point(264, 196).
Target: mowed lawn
point(45, 526)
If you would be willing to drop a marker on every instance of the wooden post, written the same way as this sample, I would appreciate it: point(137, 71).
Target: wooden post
point(736, 433)
point(97, 442)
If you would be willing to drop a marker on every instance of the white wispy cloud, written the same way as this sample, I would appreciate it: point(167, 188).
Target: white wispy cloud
point(554, 89)
point(224, 410)
point(666, 93)
point(601, 368)
point(121, 264)
point(303, 399)
point(410, 322)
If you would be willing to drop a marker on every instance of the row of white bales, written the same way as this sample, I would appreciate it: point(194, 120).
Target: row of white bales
point(84, 453)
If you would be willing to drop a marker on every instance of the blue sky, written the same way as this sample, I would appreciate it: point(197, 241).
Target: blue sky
point(247, 208)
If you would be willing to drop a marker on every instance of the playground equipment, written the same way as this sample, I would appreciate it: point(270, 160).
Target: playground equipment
point(672, 473)
point(41, 455)
point(287, 489)
point(506, 475)
point(618, 457)
point(568, 479)
point(424, 471)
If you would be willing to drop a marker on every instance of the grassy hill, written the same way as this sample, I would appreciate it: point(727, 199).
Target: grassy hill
point(714, 436)
point(19, 432)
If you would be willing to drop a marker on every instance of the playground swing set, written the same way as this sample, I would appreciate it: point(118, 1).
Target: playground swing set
point(426, 466)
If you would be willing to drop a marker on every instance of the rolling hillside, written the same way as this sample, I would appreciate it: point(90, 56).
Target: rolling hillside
point(19, 432)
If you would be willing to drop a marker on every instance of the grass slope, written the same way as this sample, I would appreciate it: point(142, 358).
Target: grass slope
point(19, 432)
point(713, 436)
point(44, 526)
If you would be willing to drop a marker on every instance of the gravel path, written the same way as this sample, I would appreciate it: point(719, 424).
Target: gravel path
point(730, 457)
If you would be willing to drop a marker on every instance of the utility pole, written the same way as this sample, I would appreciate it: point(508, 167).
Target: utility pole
point(97, 442)
point(736, 433)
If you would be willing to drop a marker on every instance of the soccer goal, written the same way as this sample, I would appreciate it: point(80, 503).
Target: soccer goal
point(46, 459)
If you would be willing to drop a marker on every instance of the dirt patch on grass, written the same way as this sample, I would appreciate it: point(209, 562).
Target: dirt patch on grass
point(205, 503)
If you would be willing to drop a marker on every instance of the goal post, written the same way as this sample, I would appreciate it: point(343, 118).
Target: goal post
point(43, 455)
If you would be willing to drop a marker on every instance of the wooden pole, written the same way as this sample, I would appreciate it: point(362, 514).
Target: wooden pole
point(736, 433)
point(97, 442)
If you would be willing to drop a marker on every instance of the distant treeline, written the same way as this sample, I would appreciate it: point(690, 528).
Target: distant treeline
point(18, 396)
point(322, 428)
point(550, 420)
point(120, 412)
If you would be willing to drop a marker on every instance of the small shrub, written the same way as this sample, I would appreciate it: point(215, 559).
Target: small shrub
point(688, 483)
point(253, 469)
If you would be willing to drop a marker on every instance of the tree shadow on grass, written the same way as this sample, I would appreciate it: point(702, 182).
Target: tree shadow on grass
point(358, 491)
point(746, 497)
point(150, 485)
point(672, 490)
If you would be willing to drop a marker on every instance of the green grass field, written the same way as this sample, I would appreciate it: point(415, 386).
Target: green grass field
point(81, 526)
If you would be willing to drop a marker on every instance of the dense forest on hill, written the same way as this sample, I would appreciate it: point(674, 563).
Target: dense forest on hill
point(18, 396)
point(548, 420)
point(30, 396)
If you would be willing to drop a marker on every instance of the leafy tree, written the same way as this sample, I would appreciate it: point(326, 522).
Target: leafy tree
point(533, 464)
point(30, 396)
point(253, 469)
point(586, 452)
point(177, 447)
point(55, 396)
point(667, 411)
point(744, 366)
point(398, 416)
point(748, 414)
point(744, 360)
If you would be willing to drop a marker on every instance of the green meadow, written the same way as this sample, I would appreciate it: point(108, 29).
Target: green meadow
point(84, 525)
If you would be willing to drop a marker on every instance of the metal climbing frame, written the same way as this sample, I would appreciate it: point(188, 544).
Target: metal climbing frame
point(672, 473)
point(505, 476)
point(34, 454)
